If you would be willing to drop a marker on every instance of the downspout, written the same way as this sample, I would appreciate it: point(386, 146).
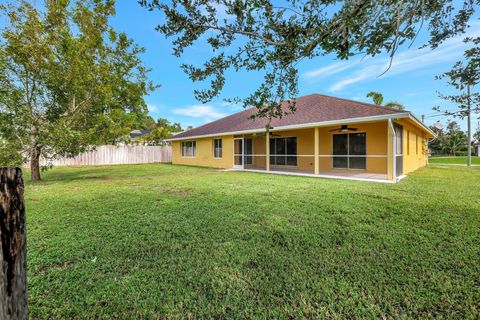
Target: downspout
point(394, 151)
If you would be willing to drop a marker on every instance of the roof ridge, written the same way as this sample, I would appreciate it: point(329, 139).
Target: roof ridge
point(364, 103)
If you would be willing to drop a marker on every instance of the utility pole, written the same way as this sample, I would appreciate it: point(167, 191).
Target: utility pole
point(423, 118)
point(469, 126)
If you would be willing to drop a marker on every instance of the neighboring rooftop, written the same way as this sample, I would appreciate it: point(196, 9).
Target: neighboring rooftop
point(309, 109)
point(134, 134)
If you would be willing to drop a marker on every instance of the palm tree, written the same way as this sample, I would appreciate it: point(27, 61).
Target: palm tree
point(377, 98)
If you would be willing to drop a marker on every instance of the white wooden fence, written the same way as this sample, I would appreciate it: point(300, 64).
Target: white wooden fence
point(125, 154)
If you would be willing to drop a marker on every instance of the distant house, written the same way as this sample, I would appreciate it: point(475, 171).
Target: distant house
point(326, 136)
point(135, 134)
point(477, 148)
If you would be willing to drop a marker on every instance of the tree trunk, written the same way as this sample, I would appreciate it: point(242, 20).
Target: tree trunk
point(13, 253)
point(34, 159)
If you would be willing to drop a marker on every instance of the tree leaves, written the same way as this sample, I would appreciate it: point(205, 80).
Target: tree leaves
point(69, 79)
point(273, 38)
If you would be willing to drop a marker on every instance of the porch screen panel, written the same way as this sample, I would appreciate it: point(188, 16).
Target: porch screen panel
point(357, 147)
point(340, 148)
point(273, 160)
point(280, 150)
point(346, 147)
point(248, 151)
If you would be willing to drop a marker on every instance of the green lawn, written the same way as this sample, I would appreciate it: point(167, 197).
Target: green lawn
point(164, 241)
point(452, 160)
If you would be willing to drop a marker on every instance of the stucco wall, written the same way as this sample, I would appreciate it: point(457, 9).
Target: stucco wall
point(204, 156)
point(415, 154)
point(377, 145)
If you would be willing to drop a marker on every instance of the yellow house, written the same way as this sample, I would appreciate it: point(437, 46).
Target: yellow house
point(325, 137)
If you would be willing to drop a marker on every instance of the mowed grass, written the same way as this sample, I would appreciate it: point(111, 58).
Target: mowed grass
point(453, 160)
point(163, 241)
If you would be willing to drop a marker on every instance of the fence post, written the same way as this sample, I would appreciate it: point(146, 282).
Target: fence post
point(13, 253)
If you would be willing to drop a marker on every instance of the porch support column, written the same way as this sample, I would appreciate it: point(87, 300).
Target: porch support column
point(267, 151)
point(390, 150)
point(315, 150)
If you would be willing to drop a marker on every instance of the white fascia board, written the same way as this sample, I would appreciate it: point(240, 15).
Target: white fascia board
point(220, 134)
point(302, 126)
point(343, 121)
point(421, 124)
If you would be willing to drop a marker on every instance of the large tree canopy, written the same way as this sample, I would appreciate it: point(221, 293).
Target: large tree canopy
point(275, 36)
point(68, 79)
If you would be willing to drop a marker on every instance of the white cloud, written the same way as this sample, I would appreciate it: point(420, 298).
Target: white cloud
point(152, 108)
point(199, 111)
point(403, 62)
point(329, 70)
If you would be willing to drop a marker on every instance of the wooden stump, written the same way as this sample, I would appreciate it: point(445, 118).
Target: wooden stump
point(13, 253)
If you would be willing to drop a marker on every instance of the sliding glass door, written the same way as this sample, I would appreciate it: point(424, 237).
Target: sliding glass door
point(350, 150)
point(283, 151)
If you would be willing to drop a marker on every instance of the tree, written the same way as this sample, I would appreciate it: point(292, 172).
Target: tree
point(450, 141)
point(436, 145)
point(377, 98)
point(463, 76)
point(159, 131)
point(476, 136)
point(68, 79)
point(455, 139)
point(273, 38)
point(395, 105)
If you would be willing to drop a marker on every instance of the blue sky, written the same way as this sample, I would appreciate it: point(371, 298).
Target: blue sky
point(411, 80)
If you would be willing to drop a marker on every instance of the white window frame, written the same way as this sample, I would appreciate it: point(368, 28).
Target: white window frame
point(193, 146)
point(215, 148)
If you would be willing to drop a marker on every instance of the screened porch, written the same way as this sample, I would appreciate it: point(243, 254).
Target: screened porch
point(321, 152)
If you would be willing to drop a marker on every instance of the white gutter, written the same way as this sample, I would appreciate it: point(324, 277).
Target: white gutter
point(304, 126)
point(399, 115)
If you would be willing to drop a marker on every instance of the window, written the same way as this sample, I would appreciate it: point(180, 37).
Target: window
point(408, 143)
point(283, 151)
point(349, 150)
point(189, 149)
point(217, 148)
point(416, 143)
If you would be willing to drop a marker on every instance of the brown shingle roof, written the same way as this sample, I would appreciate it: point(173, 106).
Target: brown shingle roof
point(309, 109)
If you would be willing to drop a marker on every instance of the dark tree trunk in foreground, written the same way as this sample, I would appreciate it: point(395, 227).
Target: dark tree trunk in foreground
point(13, 253)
